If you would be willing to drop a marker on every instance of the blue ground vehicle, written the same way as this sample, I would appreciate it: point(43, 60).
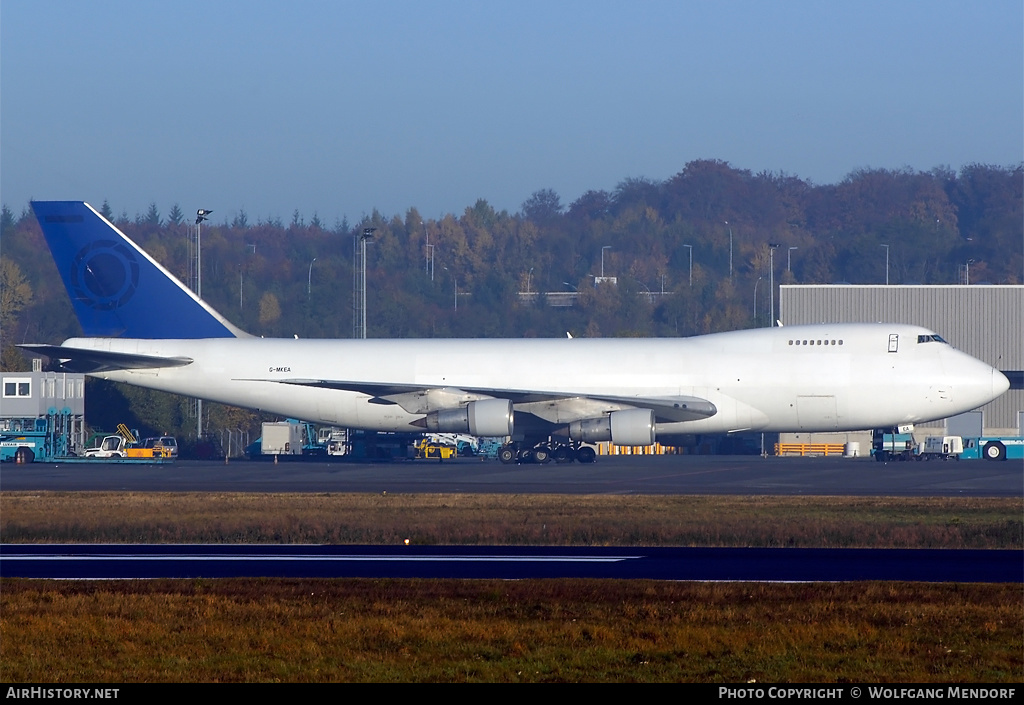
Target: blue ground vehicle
point(892, 444)
point(994, 448)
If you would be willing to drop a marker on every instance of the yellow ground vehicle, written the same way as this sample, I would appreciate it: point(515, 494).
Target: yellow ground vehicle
point(428, 450)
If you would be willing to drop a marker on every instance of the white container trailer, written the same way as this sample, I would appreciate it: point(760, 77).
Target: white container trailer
point(283, 438)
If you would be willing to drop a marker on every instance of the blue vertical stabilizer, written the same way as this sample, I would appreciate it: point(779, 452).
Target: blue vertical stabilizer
point(118, 290)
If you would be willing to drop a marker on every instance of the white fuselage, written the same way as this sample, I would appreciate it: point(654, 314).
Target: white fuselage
point(796, 378)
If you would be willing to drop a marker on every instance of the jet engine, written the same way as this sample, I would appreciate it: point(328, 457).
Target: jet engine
point(487, 417)
point(631, 427)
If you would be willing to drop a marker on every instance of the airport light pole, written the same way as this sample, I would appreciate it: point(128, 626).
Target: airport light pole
point(309, 281)
point(772, 246)
point(200, 217)
point(886, 264)
point(429, 254)
point(367, 235)
point(426, 249)
point(359, 275)
point(606, 247)
point(690, 248)
point(789, 259)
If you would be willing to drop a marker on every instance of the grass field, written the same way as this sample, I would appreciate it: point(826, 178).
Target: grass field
point(587, 520)
point(553, 630)
point(558, 630)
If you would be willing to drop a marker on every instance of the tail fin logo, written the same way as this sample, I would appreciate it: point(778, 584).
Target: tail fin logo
point(105, 275)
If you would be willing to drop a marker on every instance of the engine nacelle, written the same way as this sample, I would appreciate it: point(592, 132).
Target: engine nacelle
point(631, 427)
point(487, 417)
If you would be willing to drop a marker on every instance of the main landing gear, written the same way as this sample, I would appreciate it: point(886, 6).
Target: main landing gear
point(546, 452)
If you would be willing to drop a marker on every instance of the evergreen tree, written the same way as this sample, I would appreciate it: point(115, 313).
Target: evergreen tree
point(175, 216)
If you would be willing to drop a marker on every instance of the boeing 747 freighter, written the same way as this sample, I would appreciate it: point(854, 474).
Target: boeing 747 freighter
point(144, 327)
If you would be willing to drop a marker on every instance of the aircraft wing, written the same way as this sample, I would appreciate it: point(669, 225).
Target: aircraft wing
point(86, 360)
point(556, 407)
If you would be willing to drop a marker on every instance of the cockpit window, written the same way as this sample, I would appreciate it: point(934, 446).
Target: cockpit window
point(930, 339)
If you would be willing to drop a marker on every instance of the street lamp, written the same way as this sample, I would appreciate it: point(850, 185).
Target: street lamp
point(650, 294)
point(772, 246)
point(730, 249)
point(754, 312)
point(886, 264)
point(967, 272)
point(456, 281)
point(309, 281)
point(529, 277)
point(690, 248)
point(789, 259)
point(606, 247)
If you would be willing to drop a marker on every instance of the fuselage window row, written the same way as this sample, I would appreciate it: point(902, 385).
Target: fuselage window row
point(815, 342)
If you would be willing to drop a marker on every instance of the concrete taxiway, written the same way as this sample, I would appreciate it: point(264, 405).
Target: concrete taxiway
point(730, 475)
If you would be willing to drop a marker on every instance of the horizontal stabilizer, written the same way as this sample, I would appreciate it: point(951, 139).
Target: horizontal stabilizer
point(85, 360)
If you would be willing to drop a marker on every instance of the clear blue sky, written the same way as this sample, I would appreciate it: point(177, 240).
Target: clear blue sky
point(342, 107)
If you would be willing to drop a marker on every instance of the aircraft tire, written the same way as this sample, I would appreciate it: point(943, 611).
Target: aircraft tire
point(507, 454)
point(562, 454)
point(541, 454)
point(586, 454)
point(995, 450)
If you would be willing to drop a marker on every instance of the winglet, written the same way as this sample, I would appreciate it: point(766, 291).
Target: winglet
point(118, 290)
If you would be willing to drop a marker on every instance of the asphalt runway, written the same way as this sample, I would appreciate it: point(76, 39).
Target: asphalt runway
point(669, 474)
point(111, 561)
point(729, 475)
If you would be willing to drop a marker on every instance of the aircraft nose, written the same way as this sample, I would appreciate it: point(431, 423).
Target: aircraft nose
point(1000, 383)
point(975, 382)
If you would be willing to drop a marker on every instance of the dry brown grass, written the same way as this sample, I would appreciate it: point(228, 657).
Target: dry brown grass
point(565, 630)
point(593, 520)
point(561, 630)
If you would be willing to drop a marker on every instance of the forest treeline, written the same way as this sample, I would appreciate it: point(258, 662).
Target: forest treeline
point(460, 275)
